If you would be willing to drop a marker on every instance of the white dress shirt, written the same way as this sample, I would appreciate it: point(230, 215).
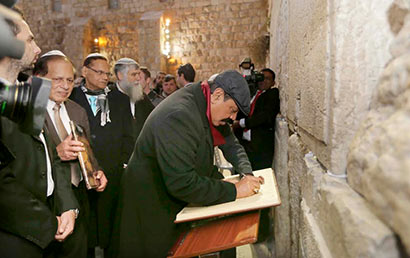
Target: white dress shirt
point(63, 115)
point(50, 181)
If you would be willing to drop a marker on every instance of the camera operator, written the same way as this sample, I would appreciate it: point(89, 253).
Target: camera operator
point(256, 132)
point(33, 180)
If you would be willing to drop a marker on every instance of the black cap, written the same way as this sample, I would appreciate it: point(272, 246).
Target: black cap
point(233, 83)
point(8, 3)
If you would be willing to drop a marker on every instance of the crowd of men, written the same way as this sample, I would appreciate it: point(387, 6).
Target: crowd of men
point(153, 141)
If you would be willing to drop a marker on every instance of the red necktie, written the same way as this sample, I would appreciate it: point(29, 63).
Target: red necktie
point(254, 102)
point(253, 106)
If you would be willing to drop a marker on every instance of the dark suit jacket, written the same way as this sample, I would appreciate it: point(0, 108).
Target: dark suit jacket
point(262, 124)
point(172, 165)
point(75, 113)
point(112, 145)
point(23, 187)
point(78, 115)
point(143, 108)
point(76, 245)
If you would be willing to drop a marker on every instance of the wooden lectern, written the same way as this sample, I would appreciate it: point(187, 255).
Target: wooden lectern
point(229, 231)
point(218, 235)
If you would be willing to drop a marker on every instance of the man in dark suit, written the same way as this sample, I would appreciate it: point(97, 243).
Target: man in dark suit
point(54, 65)
point(130, 81)
point(110, 120)
point(172, 165)
point(33, 178)
point(257, 131)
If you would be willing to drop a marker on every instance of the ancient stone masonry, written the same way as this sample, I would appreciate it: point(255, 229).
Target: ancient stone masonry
point(213, 35)
point(343, 174)
point(379, 157)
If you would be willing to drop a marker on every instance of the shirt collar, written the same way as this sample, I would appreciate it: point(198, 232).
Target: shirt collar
point(51, 104)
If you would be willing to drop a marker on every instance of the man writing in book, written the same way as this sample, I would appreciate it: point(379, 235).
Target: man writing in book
point(172, 164)
point(54, 65)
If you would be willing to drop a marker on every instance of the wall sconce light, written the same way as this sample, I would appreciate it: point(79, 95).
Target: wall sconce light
point(96, 47)
point(166, 47)
point(101, 42)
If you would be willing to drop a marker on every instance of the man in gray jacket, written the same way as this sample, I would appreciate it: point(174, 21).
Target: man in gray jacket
point(172, 164)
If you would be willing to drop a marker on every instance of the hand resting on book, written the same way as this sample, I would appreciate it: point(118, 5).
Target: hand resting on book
point(69, 148)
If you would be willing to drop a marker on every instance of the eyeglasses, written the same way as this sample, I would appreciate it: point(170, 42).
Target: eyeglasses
point(99, 72)
point(60, 80)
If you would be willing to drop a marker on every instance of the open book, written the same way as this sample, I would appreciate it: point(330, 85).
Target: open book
point(86, 158)
point(268, 196)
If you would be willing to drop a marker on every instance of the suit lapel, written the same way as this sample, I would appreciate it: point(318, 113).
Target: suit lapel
point(72, 115)
point(51, 129)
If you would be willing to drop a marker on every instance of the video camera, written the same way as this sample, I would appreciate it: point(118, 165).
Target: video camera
point(25, 104)
point(251, 76)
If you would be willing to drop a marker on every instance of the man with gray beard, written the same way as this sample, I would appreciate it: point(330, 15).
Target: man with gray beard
point(128, 75)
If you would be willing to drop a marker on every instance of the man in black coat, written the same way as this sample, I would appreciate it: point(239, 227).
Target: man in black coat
point(130, 78)
point(110, 122)
point(54, 65)
point(32, 178)
point(172, 165)
point(257, 131)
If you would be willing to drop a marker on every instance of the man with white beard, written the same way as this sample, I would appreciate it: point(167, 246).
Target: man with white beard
point(128, 75)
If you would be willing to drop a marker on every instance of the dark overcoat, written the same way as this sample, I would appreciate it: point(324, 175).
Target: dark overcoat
point(76, 244)
point(25, 211)
point(112, 145)
point(171, 166)
point(142, 109)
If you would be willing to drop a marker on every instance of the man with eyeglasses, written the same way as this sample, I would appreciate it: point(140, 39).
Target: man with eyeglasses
point(54, 65)
point(110, 120)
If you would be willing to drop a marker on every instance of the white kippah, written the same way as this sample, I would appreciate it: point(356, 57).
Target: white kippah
point(96, 55)
point(126, 61)
point(53, 53)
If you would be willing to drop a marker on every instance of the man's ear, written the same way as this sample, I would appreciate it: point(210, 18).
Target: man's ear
point(218, 93)
point(120, 76)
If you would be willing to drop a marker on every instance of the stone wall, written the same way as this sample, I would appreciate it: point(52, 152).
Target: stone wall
point(335, 61)
point(213, 35)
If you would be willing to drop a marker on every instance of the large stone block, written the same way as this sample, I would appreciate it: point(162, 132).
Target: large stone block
point(297, 170)
point(379, 161)
point(348, 226)
point(308, 34)
point(280, 164)
point(312, 243)
point(322, 51)
point(360, 37)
